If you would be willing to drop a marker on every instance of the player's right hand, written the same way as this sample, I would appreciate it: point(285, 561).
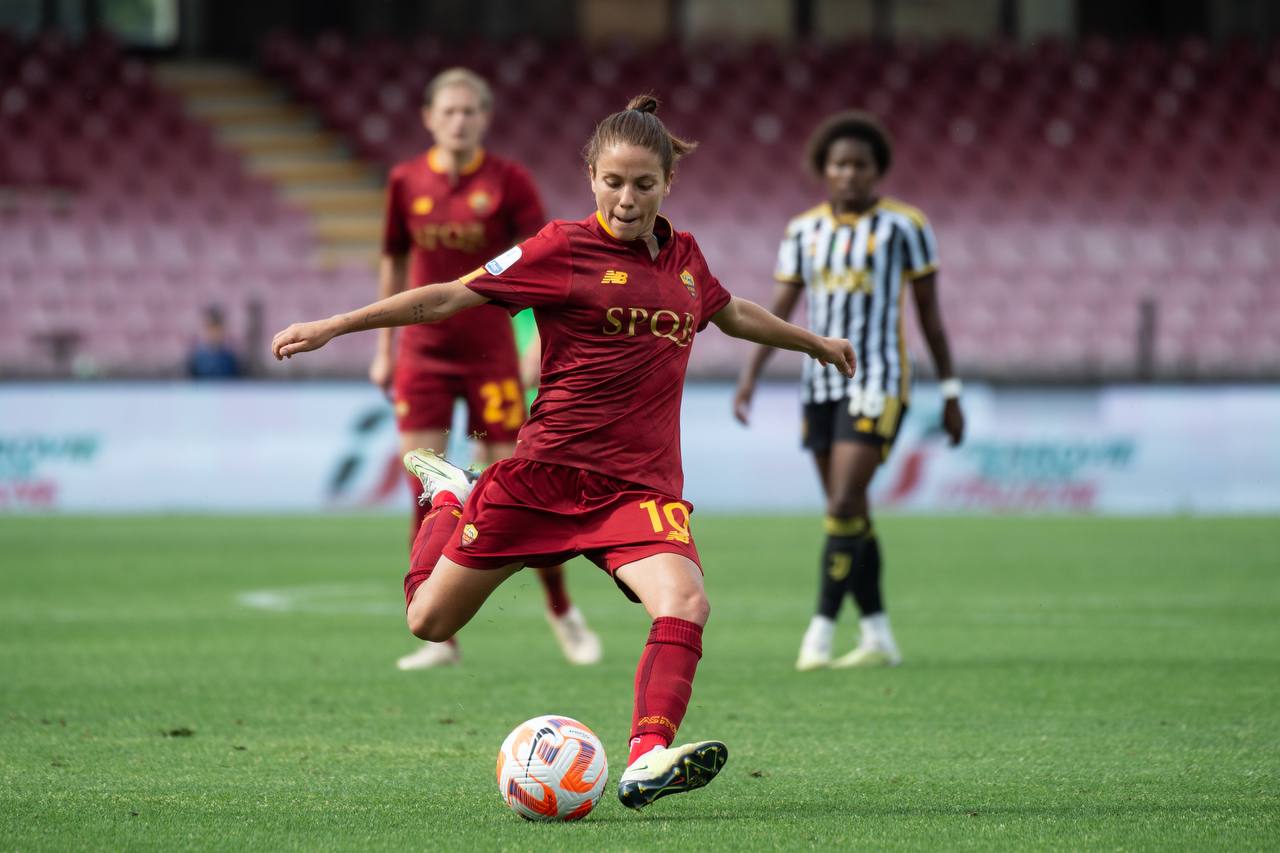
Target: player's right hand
point(742, 402)
point(381, 371)
point(302, 337)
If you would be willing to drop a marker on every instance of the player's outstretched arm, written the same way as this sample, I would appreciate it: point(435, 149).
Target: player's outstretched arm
point(744, 319)
point(785, 296)
point(429, 304)
point(393, 278)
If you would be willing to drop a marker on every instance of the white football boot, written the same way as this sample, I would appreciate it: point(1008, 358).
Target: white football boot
point(670, 770)
point(876, 646)
point(815, 648)
point(438, 475)
point(430, 656)
point(579, 643)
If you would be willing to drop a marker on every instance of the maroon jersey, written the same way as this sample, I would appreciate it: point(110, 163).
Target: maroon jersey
point(616, 330)
point(449, 231)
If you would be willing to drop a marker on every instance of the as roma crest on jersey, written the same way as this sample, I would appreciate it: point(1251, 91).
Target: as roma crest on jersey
point(687, 278)
point(469, 534)
point(480, 202)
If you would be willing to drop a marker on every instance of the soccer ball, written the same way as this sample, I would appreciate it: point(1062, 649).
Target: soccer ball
point(552, 768)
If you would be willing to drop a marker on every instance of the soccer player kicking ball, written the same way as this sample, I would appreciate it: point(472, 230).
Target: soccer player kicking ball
point(619, 297)
point(448, 210)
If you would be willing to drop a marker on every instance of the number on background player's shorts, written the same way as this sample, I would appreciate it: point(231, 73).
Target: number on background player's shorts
point(503, 403)
point(866, 418)
point(495, 405)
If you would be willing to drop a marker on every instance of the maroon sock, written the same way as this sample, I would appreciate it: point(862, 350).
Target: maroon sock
point(440, 523)
point(664, 682)
point(419, 510)
point(552, 579)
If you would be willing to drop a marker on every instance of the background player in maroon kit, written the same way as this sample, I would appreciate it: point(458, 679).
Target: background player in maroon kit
point(449, 210)
point(619, 297)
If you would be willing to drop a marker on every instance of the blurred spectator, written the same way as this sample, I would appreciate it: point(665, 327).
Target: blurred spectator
point(211, 357)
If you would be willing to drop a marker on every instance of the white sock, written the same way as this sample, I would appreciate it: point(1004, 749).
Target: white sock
point(821, 633)
point(875, 630)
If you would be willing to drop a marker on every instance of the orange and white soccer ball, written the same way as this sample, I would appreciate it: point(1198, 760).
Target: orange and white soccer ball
point(552, 768)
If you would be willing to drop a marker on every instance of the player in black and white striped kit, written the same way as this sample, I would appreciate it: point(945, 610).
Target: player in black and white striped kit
point(855, 258)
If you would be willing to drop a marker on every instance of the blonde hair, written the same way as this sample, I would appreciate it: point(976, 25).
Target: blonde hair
point(459, 77)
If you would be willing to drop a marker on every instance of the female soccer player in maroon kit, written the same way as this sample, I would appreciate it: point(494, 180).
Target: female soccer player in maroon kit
point(449, 210)
point(619, 297)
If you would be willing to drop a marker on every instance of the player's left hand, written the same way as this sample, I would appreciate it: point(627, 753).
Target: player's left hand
point(953, 421)
point(837, 351)
point(301, 337)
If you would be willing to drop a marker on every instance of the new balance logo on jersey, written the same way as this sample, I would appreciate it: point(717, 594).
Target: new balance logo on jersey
point(614, 277)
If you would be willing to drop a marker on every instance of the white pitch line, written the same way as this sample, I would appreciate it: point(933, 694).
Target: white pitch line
point(327, 599)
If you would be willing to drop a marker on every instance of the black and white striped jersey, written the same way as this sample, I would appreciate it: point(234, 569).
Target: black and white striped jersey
point(855, 269)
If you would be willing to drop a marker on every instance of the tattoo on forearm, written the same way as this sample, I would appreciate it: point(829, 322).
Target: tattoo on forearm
point(418, 313)
point(374, 316)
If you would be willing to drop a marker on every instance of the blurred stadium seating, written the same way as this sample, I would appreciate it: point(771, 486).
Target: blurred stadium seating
point(121, 217)
point(1069, 185)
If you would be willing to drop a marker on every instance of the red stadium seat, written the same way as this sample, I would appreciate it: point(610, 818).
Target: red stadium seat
point(1064, 181)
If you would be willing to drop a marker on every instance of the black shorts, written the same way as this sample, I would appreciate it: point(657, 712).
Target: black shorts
point(826, 423)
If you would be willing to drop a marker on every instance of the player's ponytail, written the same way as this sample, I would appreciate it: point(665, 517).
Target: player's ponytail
point(638, 125)
point(645, 103)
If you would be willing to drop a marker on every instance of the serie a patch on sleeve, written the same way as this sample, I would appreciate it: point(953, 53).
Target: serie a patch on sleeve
point(503, 262)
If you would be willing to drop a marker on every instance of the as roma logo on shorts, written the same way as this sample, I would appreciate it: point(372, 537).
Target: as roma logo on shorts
point(480, 202)
point(422, 205)
point(687, 278)
point(469, 534)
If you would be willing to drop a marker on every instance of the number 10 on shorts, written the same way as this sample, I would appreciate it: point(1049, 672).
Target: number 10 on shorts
point(676, 517)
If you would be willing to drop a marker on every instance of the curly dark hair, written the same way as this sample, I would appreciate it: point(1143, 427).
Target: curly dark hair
point(849, 124)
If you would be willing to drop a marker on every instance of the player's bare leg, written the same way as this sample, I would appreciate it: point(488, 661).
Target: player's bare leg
point(450, 597)
point(670, 587)
point(852, 543)
point(429, 655)
point(579, 644)
point(440, 595)
point(822, 461)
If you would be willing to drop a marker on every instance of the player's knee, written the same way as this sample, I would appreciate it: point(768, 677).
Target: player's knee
point(426, 624)
point(691, 607)
point(701, 610)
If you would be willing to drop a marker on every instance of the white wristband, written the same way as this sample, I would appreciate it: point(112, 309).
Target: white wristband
point(950, 388)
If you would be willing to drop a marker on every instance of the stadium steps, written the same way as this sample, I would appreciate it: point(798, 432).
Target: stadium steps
point(286, 144)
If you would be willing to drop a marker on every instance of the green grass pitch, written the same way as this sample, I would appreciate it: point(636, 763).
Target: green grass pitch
point(228, 683)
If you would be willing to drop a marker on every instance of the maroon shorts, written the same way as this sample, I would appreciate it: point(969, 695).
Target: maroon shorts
point(541, 514)
point(495, 403)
